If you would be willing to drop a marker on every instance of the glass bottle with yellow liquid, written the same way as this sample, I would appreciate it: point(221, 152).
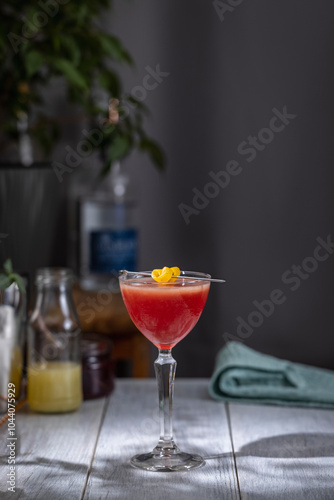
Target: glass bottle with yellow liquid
point(54, 360)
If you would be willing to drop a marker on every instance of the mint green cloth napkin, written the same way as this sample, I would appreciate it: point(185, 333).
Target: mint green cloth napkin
point(243, 375)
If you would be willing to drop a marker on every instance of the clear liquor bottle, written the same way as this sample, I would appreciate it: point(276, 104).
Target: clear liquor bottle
point(108, 231)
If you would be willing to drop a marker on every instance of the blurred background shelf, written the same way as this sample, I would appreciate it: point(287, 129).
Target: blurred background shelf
point(131, 350)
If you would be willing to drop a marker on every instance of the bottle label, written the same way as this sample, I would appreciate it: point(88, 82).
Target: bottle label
point(113, 250)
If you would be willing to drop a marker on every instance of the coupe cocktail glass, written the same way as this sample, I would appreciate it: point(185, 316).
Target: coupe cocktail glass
point(165, 313)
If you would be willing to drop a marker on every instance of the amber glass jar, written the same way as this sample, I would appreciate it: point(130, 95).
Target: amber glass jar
point(97, 365)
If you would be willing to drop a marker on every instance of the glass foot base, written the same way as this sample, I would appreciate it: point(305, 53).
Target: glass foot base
point(166, 462)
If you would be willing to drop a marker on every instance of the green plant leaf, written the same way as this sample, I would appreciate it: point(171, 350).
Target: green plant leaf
point(109, 130)
point(113, 47)
point(155, 152)
point(81, 13)
point(45, 131)
point(8, 266)
point(9, 277)
point(109, 81)
point(19, 281)
point(71, 46)
point(71, 73)
point(5, 281)
point(120, 146)
point(33, 61)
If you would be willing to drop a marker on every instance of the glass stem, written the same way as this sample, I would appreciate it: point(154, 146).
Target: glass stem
point(165, 367)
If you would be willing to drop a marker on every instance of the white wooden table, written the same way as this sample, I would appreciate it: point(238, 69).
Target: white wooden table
point(251, 452)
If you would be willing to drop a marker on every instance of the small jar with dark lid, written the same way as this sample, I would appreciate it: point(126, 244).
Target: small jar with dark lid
point(97, 365)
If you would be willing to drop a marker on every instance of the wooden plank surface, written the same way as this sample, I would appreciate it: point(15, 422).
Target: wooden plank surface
point(279, 452)
point(54, 453)
point(283, 452)
point(131, 426)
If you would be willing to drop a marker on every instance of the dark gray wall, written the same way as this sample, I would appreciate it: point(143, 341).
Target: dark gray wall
point(225, 78)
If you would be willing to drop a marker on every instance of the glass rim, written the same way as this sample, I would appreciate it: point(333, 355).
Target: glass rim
point(138, 277)
point(53, 275)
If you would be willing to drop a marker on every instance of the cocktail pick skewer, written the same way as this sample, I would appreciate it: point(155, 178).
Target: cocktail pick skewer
point(214, 280)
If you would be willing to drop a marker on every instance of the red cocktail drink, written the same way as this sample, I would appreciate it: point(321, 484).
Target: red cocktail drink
point(165, 312)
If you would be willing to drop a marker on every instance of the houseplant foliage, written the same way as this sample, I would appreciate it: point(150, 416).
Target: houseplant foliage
point(8, 277)
point(43, 40)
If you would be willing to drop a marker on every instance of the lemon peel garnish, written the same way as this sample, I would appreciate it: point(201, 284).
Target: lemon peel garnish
point(176, 272)
point(166, 274)
point(156, 273)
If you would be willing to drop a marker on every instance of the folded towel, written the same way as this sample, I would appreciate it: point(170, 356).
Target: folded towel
point(243, 375)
